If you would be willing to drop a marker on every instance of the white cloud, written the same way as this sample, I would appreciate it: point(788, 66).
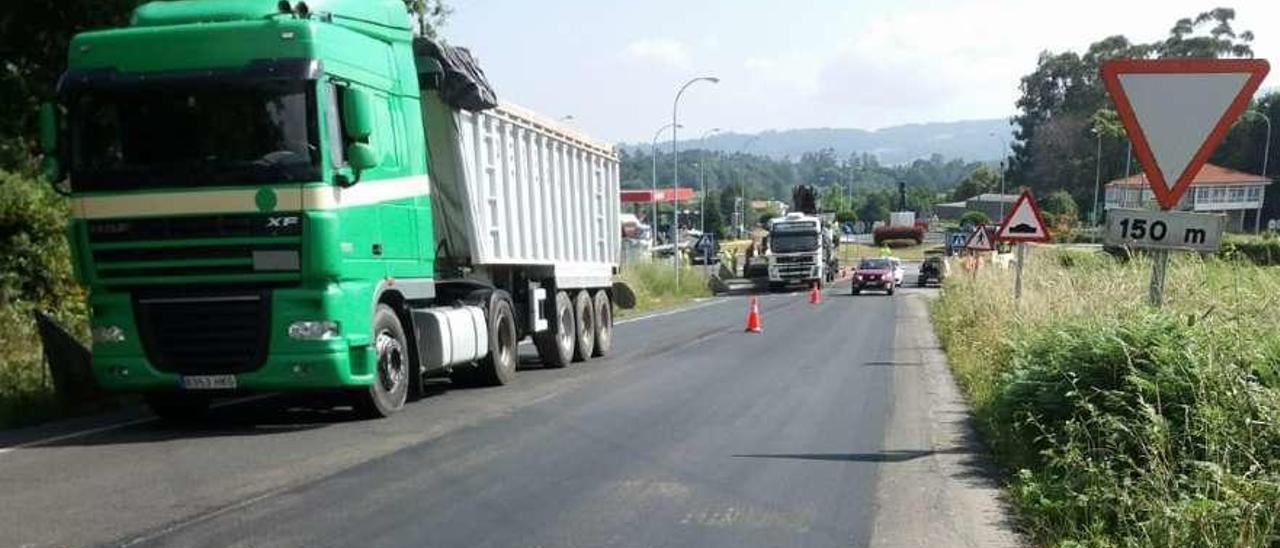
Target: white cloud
point(667, 52)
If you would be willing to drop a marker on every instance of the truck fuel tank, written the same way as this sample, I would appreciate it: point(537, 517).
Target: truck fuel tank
point(450, 336)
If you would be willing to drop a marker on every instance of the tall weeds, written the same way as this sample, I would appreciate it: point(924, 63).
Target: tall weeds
point(1122, 425)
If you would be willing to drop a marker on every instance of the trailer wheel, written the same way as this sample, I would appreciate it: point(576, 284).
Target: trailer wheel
point(555, 345)
point(390, 388)
point(499, 367)
point(604, 323)
point(178, 407)
point(585, 326)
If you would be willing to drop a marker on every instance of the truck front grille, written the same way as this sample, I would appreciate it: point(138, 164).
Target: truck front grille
point(262, 249)
point(204, 332)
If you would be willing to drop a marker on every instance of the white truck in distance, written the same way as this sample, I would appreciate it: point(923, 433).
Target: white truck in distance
point(796, 251)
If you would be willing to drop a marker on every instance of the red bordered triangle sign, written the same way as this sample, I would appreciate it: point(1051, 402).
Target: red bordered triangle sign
point(1024, 223)
point(1176, 111)
point(979, 240)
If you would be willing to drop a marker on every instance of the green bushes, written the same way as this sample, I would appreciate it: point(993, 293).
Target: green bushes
point(888, 233)
point(1263, 251)
point(1121, 425)
point(35, 272)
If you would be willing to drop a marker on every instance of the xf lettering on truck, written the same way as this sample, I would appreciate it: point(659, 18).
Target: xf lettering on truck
point(282, 222)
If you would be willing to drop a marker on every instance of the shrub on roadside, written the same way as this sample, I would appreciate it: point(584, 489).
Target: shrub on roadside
point(887, 233)
point(35, 272)
point(1264, 251)
point(899, 244)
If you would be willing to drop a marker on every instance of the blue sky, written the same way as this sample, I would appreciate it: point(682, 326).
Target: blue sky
point(615, 66)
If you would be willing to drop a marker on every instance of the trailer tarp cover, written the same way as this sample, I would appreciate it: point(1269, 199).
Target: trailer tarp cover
point(461, 83)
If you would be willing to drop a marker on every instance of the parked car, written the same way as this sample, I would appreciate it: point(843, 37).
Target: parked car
point(874, 274)
point(934, 269)
point(899, 273)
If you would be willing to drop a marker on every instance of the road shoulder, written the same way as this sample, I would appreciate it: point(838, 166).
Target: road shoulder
point(948, 493)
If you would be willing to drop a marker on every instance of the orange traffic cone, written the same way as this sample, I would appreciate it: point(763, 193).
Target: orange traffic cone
point(815, 296)
point(753, 317)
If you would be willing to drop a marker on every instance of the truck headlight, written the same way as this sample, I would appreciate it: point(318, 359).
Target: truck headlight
point(313, 330)
point(107, 334)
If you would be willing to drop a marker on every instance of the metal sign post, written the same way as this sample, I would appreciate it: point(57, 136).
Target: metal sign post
point(1017, 280)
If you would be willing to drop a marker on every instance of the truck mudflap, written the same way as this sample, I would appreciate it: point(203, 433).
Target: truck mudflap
point(623, 296)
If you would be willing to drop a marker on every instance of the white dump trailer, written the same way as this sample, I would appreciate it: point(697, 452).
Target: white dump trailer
point(529, 207)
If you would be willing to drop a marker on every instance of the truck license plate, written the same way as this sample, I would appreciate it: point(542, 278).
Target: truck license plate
point(209, 382)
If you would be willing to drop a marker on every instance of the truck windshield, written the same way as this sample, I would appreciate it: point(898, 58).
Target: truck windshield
point(148, 136)
point(794, 242)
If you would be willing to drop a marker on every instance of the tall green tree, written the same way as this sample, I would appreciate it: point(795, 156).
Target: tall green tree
point(428, 15)
point(33, 54)
point(1060, 205)
point(983, 180)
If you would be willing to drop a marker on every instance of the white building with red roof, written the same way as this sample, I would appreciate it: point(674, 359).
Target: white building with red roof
point(1215, 189)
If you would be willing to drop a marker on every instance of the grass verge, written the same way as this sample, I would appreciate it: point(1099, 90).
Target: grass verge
point(655, 286)
point(1119, 424)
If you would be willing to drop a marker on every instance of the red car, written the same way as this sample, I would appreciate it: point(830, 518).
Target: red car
point(874, 274)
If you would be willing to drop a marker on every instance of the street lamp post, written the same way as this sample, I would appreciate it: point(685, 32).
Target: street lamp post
point(1266, 155)
point(653, 196)
point(742, 187)
point(675, 167)
point(1004, 154)
point(702, 179)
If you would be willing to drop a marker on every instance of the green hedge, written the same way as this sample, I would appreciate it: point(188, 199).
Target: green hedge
point(35, 272)
point(1262, 251)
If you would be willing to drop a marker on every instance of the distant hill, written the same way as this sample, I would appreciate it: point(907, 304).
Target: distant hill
point(968, 140)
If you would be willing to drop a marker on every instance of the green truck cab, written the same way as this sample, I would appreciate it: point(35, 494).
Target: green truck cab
point(255, 209)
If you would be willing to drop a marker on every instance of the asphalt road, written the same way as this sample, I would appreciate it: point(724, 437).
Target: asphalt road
point(692, 434)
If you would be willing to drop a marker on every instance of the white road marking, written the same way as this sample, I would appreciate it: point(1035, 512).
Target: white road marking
point(107, 428)
point(117, 426)
point(708, 302)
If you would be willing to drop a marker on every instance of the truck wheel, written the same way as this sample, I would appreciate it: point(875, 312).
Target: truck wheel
point(555, 345)
point(585, 326)
point(178, 407)
point(390, 388)
point(499, 367)
point(604, 323)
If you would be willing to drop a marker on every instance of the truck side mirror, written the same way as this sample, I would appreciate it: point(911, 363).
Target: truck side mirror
point(357, 108)
point(362, 156)
point(51, 166)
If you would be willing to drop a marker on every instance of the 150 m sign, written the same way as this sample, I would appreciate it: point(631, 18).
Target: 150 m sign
point(1145, 229)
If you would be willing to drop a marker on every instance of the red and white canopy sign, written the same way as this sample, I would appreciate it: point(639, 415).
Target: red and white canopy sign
point(1024, 222)
point(1176, 111)
point(979, 241)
